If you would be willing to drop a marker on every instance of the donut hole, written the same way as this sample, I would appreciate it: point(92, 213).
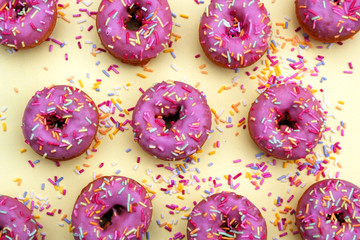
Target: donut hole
point(337, 217)
point(21, 9)
point(105, 220)
point(229, 226)
point(170, 119)
point(55, 121)
point(135, 17)
point(239, 27)
point(286, 120)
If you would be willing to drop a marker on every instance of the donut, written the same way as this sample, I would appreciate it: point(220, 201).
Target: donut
point(235, 34)
point(171, 120)
point(286, 121)
point(226, 215)
point(329, 21)
point(16, 220)
point(329, 209)
point(60, 122)
point(112, 207)
point(26, 24)
point(134, 31)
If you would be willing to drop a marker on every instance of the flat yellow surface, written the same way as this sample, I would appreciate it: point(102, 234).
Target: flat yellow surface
point(24, 72)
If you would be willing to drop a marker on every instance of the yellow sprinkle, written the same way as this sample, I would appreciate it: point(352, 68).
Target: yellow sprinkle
point(180, 197)
point(184, 16)
point(341, 102)
point(4, 126)
point(23, 150)
point(284, 165)
point(212, 153)
point(81, 83)
point(111, 136)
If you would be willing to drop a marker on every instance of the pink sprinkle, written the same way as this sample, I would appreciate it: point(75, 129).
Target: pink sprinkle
point(350, 65)
point(79, 44)
point(91, 27)
point(31, 164)
point(66, 57)
point(51, 48)
point(78, 37)
point(348, 72)
point(101, 165)
point(197, 55)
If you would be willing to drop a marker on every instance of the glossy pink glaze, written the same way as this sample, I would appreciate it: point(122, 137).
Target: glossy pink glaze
point(318, 205)
point(26, 26)
point(235, 34)
point(206, 220)
point(327, 20)
point(186, 135)
point(134, 46)
point(103, 194)
point(69, 104)
point(283, 141)
point(16, 220)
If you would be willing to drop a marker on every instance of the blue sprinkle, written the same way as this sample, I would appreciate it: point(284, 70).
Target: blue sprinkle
point(210, 164)
point(128, 150)
point(117, 172)
point(25, 193)
point(197, 170)
point(67, 221)
point(206, 191)
point(173, 54)
point(111, 94)
point(97, 63)
point(36, 161)
point(291, 60)
point(106, 73)
point(43, 186)
point(147, 235)
point(173, 14)
point(273, 42)
point(259, 155)
point(282, 177)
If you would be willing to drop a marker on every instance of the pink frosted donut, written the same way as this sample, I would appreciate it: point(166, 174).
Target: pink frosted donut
point(26, 23)
point(112, 208)
point(235, 34)
point(171, 120)
point(16, 220)
point(286, 121)
point(226, 215)
point(134, 31)
point(329, 21)
point(60, 122)
point(329, 209)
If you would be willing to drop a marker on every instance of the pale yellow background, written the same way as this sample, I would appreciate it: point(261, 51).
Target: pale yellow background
point(25, 71)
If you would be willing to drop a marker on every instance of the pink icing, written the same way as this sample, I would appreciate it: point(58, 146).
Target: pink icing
point(16, 221)
point(26, 25)
point(60, 122)
point(226, 215)
point(236, 33)
point(286, 121)
point(330, 209)
point(327, 20)
point(186, 135)
point(100, 197)
point(134, 46)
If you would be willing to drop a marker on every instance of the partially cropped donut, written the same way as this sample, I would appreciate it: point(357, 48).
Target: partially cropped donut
point(286, 121)
point(112, 207)
point(226, 215)
point(235, 34)
point(26, 23)
point(329, 209)
point(16, 220)
point(171, 120)
point(60, 122)
point(329, 20)
point(134, 31)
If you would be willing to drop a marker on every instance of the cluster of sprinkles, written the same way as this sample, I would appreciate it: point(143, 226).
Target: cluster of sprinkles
point(3, 118)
